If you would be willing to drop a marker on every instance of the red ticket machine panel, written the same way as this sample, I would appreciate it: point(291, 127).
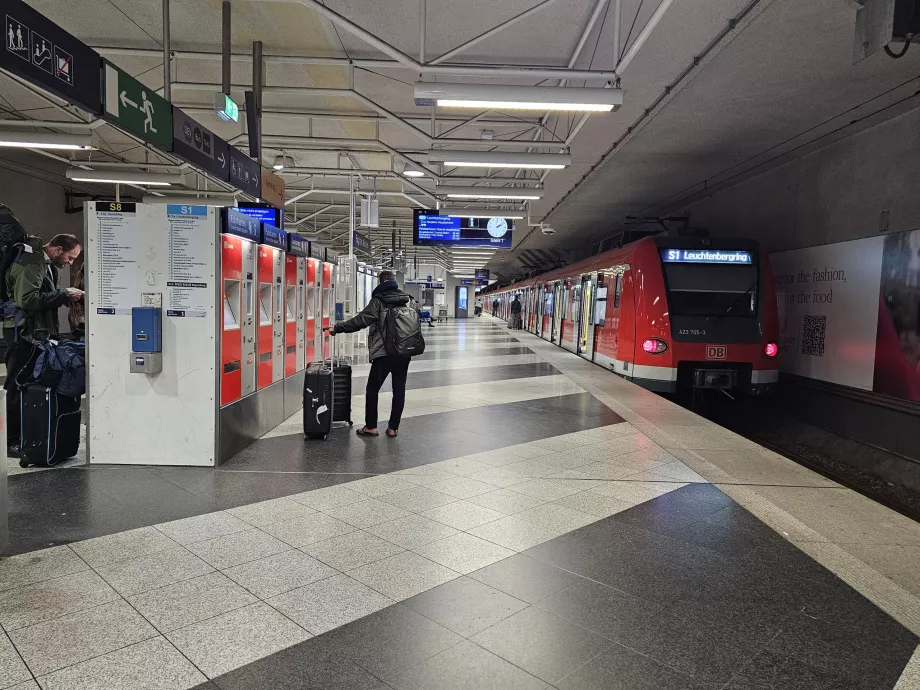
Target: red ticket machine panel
point(314, 310)
point(231, 340)
point(294, 314)
point(266, 315)
point(328, 298)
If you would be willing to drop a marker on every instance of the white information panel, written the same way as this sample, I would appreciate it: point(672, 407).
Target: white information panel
point(134, 251)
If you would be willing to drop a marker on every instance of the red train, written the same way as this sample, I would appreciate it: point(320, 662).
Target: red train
point(671, 314)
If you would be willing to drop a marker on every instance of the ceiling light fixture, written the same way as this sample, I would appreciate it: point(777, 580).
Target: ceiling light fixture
point(140, 179)
point(282, 162)
point(493, 159)
point(503, 96)
point(411, 172)
point(481, 213)
point(45, 140)
point(489, 192)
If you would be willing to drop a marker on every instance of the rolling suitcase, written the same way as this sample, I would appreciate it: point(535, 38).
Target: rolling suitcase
point(318, 397)
point(50, 426)
point(341, 391)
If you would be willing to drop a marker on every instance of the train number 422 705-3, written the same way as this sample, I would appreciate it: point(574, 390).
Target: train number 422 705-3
point(691, 331)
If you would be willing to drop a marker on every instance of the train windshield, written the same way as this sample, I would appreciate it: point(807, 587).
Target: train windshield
point(698, 289)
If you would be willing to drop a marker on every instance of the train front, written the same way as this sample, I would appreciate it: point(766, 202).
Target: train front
point(717, 326)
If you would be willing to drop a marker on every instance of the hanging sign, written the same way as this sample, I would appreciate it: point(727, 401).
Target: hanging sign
point(272, 189)
point(41, 52)
point(245, 173)
point(137, 108)
point(200, 146)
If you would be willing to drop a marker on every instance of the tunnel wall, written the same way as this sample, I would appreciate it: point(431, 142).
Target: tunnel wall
point(861, 186)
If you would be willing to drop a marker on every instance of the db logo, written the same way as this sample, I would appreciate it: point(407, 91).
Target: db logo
point(716, 352)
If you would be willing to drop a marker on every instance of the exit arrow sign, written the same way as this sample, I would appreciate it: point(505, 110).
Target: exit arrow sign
point(137, 108)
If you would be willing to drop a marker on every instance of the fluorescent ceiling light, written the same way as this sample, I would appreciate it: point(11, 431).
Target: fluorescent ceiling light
point(489, 192)
point(493, 159)
point(503, 96)
point(123, 177)
point(43, 140)
point(481, 213)
point(282, 162)
point(410, 172)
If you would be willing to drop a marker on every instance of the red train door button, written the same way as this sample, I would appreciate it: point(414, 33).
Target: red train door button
point(716, 352)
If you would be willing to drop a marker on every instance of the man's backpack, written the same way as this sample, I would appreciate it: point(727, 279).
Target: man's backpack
point(402, 332)
point(12, 240)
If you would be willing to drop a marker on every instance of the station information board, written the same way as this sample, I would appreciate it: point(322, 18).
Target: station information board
point(429, 227)
point(263, 212)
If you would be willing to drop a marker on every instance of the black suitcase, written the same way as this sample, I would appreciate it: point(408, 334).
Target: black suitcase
point(341, 389)
point(50, 426)
point(318, 396)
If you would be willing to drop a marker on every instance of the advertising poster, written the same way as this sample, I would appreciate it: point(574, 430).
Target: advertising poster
point(850, 313)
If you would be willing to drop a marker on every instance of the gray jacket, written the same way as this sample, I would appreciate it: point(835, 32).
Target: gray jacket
point(385, 295)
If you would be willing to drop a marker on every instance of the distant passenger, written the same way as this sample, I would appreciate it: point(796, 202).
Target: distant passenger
point(494, 307)
point(515, 322)
point(384, 362)
point(478, 308)
point(32, 282)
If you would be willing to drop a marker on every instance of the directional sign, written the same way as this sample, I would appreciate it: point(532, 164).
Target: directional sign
point(43, 53)
point(200, 146)
point(245, 173)
point(362, 243)
point(136, 107)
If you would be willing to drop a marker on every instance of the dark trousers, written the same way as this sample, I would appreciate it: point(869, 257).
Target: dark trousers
point(19, 355)
point(380, 369)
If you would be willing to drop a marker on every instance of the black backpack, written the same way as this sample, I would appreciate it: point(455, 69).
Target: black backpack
point(12, 240)
point(402, 332)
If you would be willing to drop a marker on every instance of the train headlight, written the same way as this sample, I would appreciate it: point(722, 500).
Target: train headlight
point(771, 349)
point(654, 346)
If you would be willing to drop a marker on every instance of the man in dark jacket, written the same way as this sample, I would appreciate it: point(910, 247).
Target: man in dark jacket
point(33, 283)
point(515, 313)
point(387, 294)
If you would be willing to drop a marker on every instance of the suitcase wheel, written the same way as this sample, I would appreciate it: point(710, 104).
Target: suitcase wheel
point(23, 463)
point(350, 423)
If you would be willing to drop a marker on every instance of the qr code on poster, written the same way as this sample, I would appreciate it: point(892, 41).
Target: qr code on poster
point(813, 332)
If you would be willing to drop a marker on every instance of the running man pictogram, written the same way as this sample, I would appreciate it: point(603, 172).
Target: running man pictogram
point(148, 113)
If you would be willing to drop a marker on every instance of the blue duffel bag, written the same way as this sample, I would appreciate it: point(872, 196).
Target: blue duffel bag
point(61, 367)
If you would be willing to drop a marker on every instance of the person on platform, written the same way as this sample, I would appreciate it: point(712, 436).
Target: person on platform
point(32, 281)
point(515, 322)
point(494, 307)
point(385, 296)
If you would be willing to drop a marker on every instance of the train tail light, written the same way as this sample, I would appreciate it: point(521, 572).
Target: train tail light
point(654, 346)
point(770, 349)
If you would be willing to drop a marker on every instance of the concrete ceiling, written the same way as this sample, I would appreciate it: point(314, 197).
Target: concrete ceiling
point(767, 70)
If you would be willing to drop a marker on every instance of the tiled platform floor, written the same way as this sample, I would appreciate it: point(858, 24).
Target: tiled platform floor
point(535, 525)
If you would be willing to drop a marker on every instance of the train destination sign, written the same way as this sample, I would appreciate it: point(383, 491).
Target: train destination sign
point(705, 256)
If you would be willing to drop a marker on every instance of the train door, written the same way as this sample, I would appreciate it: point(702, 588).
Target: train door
point(585, 335)
point(538, 325)
point(558, 311)
point(549, 301)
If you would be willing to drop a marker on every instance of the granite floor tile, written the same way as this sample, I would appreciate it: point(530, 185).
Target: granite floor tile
point(465, 606)
point(240, 547)
point(466, 666)
point(542, 644)
point(463, 515)
point(506, 501)
point(136, 575)
point(121, 546)
point(595, 504)
point(68, 640)
point(418, 498)
point(545, 489)
point(462, 487)
point(500, 477)
point(28, 685)
point(308, 530)
point(556, 517)
point(221, 644)
point(183, 603)
point(392, 640)
point(12, 668)
point(31, 604)
point(619, 668)
point(412, 531)
point(329, 603)
point(202, 527)
point(525, 578)
point(152, 664)
point(463, 552)
point(636, 492)
point(403, 575)
point(367, 513)
point(770, 670)
point(352, 550)
point(330, 497)
point(381, 485)
point(270, 512)
point(29, 568)
point(514, 533)
point(279, 573)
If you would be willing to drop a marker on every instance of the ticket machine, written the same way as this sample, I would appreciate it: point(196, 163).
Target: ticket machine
point(328, 299)
point(240, 235)
point(270, 340)
point(295, 288)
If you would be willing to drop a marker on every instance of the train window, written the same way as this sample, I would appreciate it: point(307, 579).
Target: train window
point(711, 289)
point(600, 306)
point(618, 291)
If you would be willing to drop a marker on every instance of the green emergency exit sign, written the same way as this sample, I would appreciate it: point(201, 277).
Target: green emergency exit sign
point(136, 107)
